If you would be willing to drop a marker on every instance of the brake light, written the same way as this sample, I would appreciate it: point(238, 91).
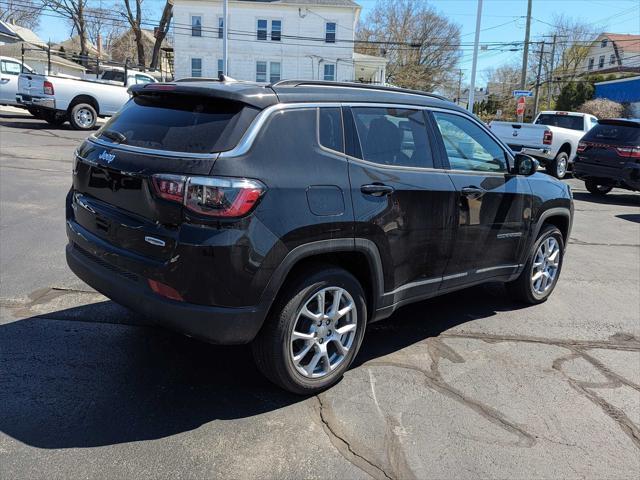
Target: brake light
point(582, 146)
point(165, 290)
point(159, 87)
point(547, 138)
point(628, 152)
point(219, 197)
point(169, 187)
point(47, 87)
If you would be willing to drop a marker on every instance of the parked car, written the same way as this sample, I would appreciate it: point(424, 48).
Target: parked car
point(57, 99)
point(10, 69)
point(294, 214)
point(552, 138)
point(609, 156)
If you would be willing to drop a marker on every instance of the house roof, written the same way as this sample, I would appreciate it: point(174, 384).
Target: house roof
point(73, 45)
point(629, 43)
point(35, 54)
point(20, 33)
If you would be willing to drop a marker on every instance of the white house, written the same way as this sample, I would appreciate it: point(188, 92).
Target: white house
point(613, 52)
point(272, 40)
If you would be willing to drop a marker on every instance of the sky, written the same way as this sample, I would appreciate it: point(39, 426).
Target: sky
point(502, 21)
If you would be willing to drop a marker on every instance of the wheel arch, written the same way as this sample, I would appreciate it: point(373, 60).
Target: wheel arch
point(567, 148)
point(559, 217)
point(83, 98)
point(360, 257)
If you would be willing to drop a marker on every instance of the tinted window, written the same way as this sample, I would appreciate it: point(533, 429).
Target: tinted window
point(113, 75)
point(178, 123)
point(144, 79)
point(613, 133)
point(330, 128)
point(571, 122)
point(393, 136)
point(468, 146)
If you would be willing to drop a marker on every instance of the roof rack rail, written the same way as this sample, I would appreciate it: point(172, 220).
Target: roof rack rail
point(321, 83)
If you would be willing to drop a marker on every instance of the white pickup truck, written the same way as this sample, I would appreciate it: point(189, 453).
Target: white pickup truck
point(552, 138)
point(57, 99)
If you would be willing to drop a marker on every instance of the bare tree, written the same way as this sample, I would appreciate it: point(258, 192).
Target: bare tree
point(74, 11)
point(135, 21)
point(25, 13)
point(161, 33)
point(103, 27)
point(422, 45)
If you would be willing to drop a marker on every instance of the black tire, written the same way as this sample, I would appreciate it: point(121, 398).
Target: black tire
point(80, 111)
point(522, 289)
point(53, 118)
point(595, 189)
point(552, 167)
point(272, 347)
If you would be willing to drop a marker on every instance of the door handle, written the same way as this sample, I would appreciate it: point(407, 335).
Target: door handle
point(473, 192)
point(377, 189)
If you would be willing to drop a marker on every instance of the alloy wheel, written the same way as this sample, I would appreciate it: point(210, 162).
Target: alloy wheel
point(84, 117)
point(545, 266)
point(323, 332)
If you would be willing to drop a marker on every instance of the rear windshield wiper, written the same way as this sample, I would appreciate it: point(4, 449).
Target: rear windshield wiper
point(113, 135)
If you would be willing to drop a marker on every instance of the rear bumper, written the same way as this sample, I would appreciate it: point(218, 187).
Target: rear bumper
point(541, 153)
point(222, 325)
point(626, 177)
point(40, 102)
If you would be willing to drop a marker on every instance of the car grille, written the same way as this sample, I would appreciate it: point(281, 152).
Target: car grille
point(90, 256)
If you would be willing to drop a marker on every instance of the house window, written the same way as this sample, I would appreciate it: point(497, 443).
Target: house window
point(330, 72)
point(601, 61)
point(591, 64)
point(220, 27)
point(262, 30)
point(196, 67)
point(330, 32)
point(261, 71)
point(274, 72)
point(196, 26)
point(612, 59)
point(220, 67)
point(276, 30)
point(604, 42)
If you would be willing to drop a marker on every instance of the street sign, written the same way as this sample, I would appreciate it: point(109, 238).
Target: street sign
point(522, 93)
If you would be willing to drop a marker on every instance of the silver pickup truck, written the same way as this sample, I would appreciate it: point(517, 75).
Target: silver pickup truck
point(57, 99)
point(552, 138)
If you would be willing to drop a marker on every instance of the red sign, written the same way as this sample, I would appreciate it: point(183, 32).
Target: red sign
point(520, 105)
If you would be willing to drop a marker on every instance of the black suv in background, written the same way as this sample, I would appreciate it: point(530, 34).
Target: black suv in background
point(609, 156)
point(293, 214)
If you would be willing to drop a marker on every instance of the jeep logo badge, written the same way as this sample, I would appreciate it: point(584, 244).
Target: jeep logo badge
point(106, 156)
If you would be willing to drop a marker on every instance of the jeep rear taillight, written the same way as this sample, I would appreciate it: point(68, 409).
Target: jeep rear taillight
point(628, 152)
point(217, 197)
point(47, 88)
point(547, 138)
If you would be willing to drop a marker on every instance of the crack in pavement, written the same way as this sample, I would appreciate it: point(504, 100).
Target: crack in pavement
point(346, 450)
point(39, 297)
point(575, 241)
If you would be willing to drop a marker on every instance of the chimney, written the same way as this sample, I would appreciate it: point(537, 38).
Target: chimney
point(99, 46)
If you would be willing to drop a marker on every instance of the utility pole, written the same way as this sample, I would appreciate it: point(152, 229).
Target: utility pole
point(535, 108)
point(472, 88)
point(225, 34)
point(459, 87)
point(525, 56)
point(550, 79)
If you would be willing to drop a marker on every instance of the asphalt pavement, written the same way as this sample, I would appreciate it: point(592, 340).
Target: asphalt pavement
point(469, 385)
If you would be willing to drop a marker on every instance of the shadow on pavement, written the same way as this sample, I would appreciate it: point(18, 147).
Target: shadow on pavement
point(632, 217)
point(608, 199)
point(79, 384)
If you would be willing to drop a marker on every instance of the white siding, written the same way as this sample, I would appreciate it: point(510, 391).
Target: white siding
point(299, 59)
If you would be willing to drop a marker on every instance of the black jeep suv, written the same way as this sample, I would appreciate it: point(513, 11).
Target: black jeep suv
point(292, 215)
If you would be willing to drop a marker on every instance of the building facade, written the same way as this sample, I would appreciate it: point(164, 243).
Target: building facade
point(613, 53)
point(272, 40)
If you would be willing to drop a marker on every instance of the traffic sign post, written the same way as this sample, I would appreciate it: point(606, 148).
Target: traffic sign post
point(520, 108)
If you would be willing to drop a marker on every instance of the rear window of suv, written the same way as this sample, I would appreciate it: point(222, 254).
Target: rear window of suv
point(572, 122)
point(179, 123)
point(613, 133)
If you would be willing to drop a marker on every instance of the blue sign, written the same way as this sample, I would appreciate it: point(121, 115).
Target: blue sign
point(522, 93)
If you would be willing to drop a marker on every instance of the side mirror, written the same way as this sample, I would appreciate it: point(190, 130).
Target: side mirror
point(525, 165)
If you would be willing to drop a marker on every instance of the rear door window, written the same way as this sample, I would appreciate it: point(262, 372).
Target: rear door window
point(330, 128)
point(180, 123)
point(393, 136)
point(572, 122)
